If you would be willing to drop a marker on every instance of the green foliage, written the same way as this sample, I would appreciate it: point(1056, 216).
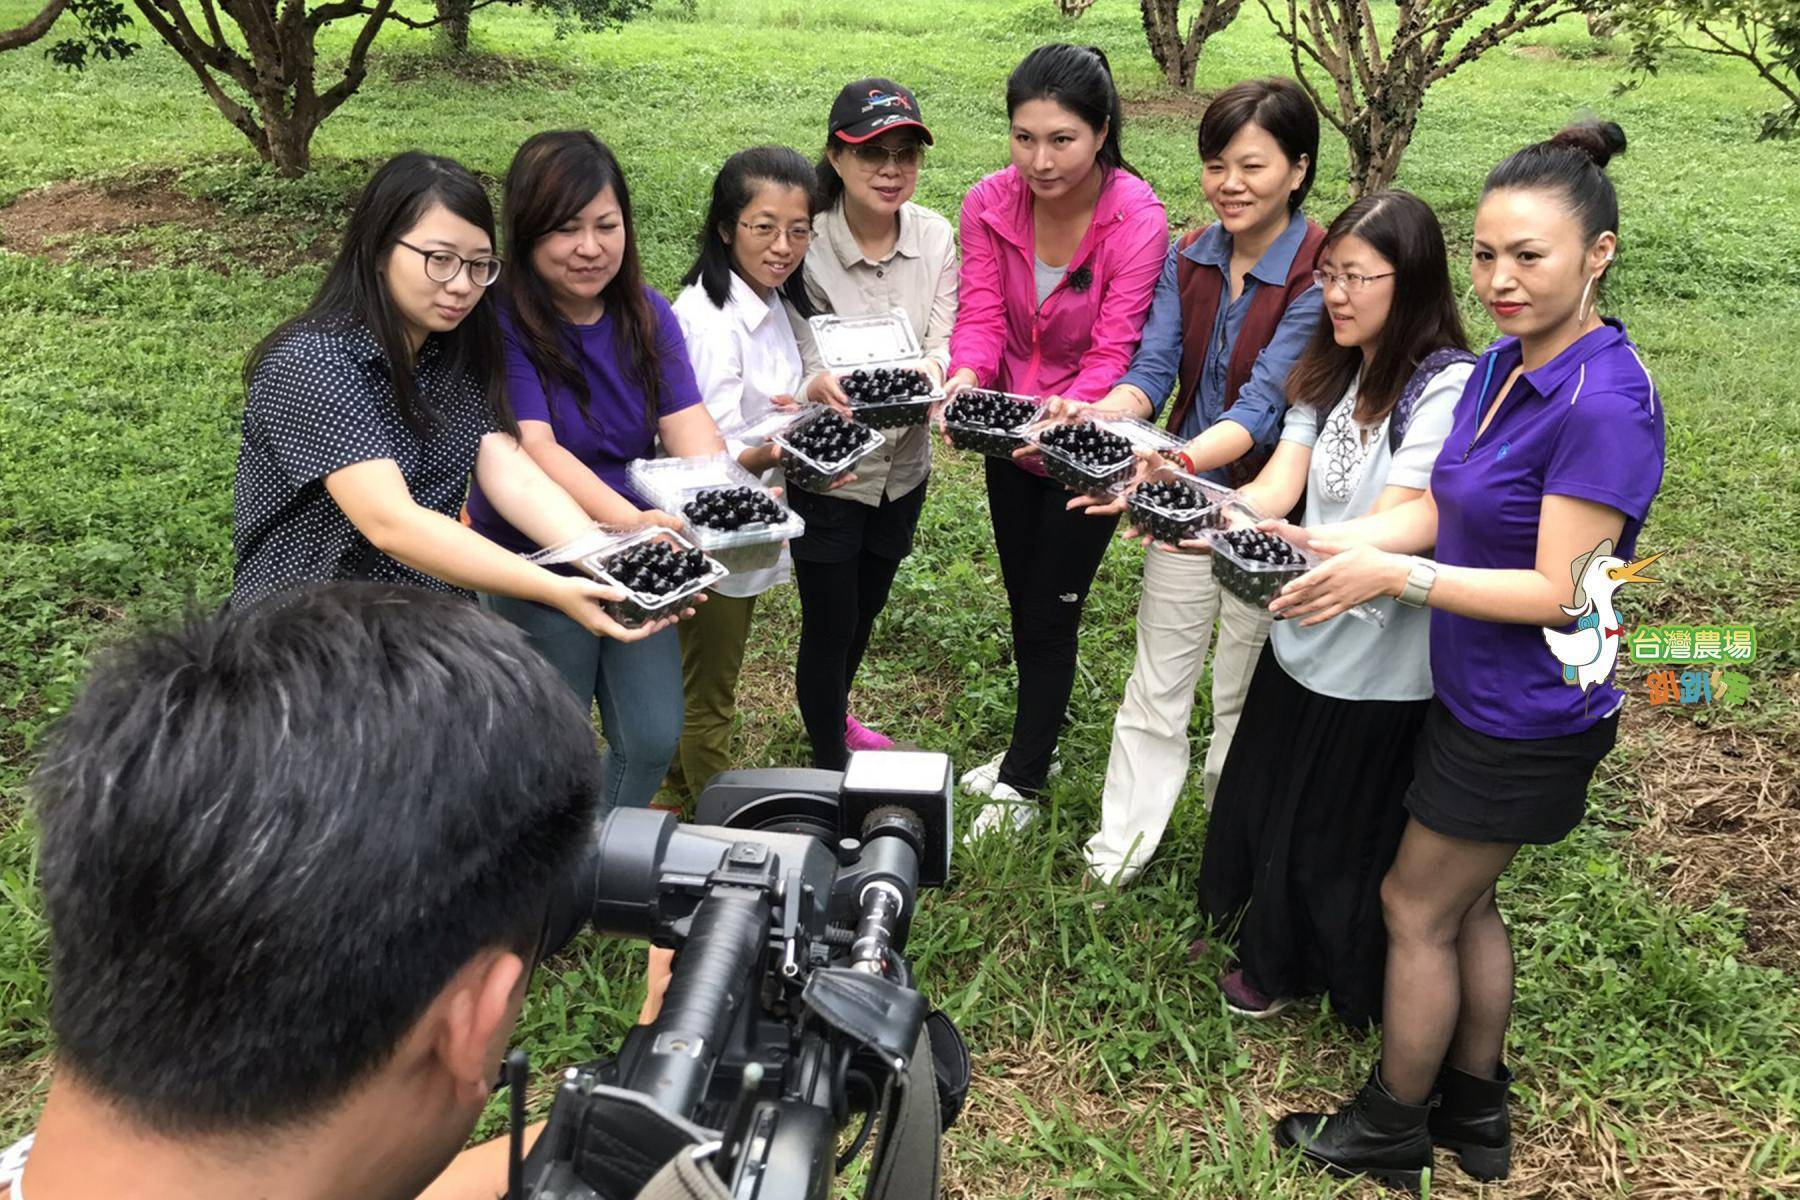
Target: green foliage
point(103, 26)
point(1763, 33)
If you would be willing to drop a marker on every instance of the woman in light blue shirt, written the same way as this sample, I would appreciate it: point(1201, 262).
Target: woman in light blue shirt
point(1308, 813)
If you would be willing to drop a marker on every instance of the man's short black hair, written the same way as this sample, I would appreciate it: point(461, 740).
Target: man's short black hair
point(270, 837)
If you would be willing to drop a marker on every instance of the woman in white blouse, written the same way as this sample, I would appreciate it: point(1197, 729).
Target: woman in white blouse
point(747, 363)
point(1308, 813)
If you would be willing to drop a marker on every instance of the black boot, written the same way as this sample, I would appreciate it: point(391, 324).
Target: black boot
point(1374, 1135)
point(1471, 1119)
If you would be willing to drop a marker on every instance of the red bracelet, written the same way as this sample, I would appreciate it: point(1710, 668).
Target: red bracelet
point(1187, 463)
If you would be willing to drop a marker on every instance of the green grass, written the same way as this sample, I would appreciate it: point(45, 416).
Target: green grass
point(1106, 1063)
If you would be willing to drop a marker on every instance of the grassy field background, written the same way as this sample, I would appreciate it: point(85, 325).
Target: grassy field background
point(1657, 1035)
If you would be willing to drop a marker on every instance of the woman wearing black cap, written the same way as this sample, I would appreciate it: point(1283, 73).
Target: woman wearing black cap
point(873, 250)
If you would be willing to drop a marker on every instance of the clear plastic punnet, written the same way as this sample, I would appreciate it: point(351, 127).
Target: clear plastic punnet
point(1254, 564)
point(989, 422)
point(677, 486)
point(1088, 471)
point(1173, 506)
point(602, 551)
point(874, 359)
point(804, 466)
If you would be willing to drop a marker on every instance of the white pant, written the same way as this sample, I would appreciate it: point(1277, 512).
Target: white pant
point(1149, 760)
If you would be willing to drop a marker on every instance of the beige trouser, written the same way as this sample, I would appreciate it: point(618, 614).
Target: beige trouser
point(1149, 760)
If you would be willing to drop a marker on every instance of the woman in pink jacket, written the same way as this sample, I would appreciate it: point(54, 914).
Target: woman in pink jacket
point(1061, 253)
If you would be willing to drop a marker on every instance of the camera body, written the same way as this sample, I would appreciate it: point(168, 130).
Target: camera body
point(791, 1008)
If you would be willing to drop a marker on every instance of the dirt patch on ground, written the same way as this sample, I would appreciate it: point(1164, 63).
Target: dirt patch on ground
point(1182, 106)
point(146, 221)
point(1721, 813)
point(411, 66)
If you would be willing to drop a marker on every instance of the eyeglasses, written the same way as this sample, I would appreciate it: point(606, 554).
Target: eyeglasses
point(1350, 281)
point(441, 266)
point(763, 231)
point(875, 157)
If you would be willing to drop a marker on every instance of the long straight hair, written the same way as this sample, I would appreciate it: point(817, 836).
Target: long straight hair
point(733, 188)
point(1423, 317)
point(355, 292)
point(553, 177)
point(1080, 79)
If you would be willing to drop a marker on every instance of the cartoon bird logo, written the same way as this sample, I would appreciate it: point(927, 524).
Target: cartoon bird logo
point(1587, 655)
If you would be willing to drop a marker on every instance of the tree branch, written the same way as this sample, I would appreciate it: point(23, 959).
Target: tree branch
point(32, 30)
point(1727, 49)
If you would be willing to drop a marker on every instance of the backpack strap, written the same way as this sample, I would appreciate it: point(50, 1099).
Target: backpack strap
point(1436, 361)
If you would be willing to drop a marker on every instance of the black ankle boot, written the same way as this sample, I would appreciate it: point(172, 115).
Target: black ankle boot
point(1374, 1135)
point(1471, 1119)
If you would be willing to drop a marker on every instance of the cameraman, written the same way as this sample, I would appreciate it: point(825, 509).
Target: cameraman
point(295, 861)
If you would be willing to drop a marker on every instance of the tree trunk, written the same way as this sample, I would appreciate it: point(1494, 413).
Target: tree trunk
point(453, 24)
point(1162, 29)
point(290, 136)
point(32, 30)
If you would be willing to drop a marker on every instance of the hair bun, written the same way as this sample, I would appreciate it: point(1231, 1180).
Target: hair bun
point(1599, 140)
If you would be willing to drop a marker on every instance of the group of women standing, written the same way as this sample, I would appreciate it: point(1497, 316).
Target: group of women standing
point(1368, 781)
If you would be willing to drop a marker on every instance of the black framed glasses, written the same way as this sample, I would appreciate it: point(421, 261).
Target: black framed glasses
point(766, 231)
point(441, 266)
point(1350, 281)
point(875, 157)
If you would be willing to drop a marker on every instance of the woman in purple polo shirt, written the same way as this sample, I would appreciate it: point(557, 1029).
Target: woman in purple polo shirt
point(596, 371)
point(1553, 459)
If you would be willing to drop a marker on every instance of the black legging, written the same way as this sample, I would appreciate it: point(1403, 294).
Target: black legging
point(1048, 557)
point(839, 602)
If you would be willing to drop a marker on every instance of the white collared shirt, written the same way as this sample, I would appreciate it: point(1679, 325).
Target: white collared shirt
point(744, 355)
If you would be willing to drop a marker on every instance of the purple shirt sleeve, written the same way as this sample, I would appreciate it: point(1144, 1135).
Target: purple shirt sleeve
point(524, 390)
point(1609, 450)
point(679, 387)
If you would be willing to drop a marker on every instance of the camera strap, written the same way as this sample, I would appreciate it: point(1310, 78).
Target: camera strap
point(908, 1160)
point(685, 1177)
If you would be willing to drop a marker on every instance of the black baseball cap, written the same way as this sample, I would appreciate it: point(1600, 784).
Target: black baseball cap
point(871, 107)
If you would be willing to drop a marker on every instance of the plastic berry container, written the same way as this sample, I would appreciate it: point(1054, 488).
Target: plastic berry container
point(1248, 578)
point(1173, 506)
point(858, 350)
point(673, 484)
point(1091, 476)
point(995, 441)
point(596, 552)
point(803, 468)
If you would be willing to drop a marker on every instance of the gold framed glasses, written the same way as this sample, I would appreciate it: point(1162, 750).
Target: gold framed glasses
point(768, 231)
point(1350, 281)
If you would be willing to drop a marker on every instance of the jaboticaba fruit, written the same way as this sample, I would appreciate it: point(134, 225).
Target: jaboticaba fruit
point(656, 568)
point(828, 438)
point(1172, 511)
point(884, 385)
point(732, 508)
point(1087, 443)
point(989, 410)
point(1257, 546)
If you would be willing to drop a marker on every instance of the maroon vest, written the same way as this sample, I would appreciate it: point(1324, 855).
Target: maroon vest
point(1200, 289)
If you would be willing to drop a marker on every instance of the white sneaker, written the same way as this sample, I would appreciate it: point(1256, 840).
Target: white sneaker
point(1007, 812)
point(980, 781)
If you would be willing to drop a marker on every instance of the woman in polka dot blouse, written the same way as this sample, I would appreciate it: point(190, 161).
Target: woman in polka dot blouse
point(368, 413)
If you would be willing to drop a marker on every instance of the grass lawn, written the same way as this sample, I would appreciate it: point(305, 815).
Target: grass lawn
point(1657, 1032)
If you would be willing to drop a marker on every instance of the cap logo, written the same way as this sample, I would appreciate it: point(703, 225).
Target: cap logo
point(881, 99)
point(890, 119)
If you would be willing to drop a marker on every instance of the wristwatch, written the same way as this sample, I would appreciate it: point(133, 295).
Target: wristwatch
point(1418, 583)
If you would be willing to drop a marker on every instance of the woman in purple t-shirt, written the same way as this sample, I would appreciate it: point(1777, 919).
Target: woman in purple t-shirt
point(1553, 458)
point(596, 372)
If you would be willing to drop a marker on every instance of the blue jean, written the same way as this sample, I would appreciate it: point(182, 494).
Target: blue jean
point(637, 685)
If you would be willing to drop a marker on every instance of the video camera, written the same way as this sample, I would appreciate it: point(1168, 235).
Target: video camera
point(791, 1008)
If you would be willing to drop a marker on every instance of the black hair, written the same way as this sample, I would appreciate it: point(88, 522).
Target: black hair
point(391, 203)
point(1571, 164)
point(733, 188)
point(553, 176)
point(270, 837)
point(1080, 79)
point(1277, 106)
point(1422, 317)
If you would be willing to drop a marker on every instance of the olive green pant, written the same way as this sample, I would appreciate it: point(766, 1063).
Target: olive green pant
point(712, 654)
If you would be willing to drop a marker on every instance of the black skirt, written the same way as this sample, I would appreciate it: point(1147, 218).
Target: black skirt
point(1306, 822)
point(1470, 785)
